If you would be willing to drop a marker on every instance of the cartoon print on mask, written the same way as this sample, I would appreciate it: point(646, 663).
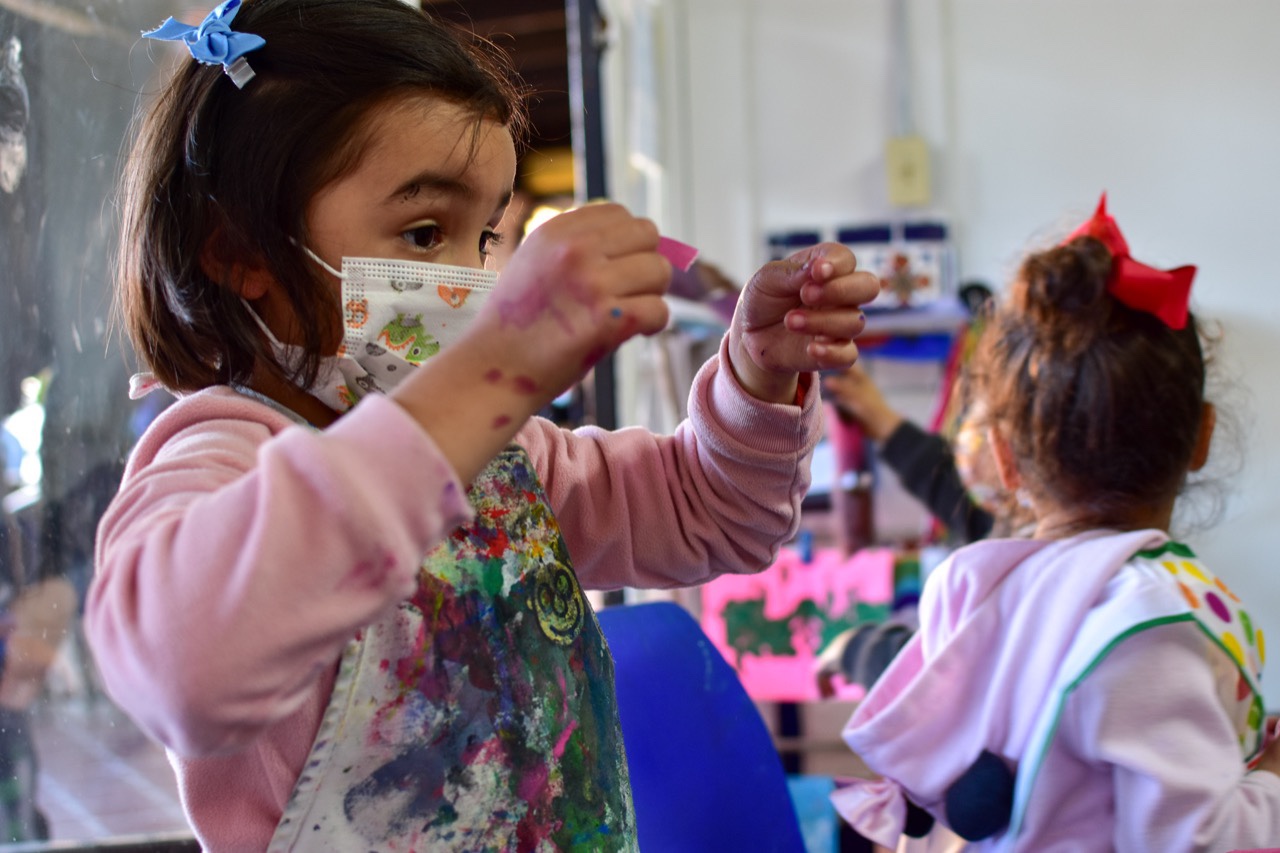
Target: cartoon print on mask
point(356, 313)
point(454, 297)
point(382, 366)
point(393, 322)
point(408, 337)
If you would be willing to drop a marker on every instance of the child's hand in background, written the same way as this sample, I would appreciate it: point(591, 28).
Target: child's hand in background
point(798, 315)
point(577, 287)
point(857, 395)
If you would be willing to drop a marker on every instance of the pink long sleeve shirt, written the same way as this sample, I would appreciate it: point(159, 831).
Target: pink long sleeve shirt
point(244, 550)
point(1145, 757)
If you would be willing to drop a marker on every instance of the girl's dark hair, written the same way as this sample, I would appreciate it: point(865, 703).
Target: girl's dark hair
point(233, 170)
point(1101, 403)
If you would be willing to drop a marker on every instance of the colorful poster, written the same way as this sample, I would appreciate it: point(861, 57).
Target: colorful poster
point(771, 626)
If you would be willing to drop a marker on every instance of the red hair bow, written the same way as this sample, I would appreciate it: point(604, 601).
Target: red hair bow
point(1164, 293)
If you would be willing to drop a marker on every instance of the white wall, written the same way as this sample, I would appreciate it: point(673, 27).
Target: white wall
point(776, 114)
point(1174, 108)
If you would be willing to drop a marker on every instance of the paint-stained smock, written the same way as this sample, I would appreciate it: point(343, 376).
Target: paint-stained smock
point(245, 552)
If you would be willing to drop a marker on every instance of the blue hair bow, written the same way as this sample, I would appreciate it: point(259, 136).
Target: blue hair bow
point(214, 42)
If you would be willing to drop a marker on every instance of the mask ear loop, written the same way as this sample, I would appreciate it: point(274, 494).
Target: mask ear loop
point(280, 350)
point(266, 330)
point(277, 346)
point(254, 314)
point(319, 260)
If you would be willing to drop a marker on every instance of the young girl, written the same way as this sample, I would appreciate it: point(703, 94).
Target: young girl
point(1094, 687)
point(354, 625)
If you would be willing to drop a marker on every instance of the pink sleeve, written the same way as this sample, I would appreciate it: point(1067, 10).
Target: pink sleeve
point(720, 495)
point(242, 553)
point(1151, 712)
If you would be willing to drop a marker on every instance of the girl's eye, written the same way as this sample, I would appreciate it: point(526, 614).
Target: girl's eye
point(423, 237)
point(488, 241)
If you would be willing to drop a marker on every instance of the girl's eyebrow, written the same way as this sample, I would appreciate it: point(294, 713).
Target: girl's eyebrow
point(441, 184)
point(428, 180)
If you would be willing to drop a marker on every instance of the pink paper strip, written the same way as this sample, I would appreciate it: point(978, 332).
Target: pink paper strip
point(681, 255)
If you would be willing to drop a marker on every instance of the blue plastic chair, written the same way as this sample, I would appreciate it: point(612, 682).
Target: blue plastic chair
point(704, 771)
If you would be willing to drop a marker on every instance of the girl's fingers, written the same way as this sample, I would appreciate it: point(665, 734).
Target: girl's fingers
point(836, 324)
point(625, 238)
point(833, 355)
point(640, 315)
point(856, 288)
point(825, 261)
point(637, 274)
point(610, 229)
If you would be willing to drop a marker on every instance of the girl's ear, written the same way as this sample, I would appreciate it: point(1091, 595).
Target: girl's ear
point(247, 280)
point(1208, 420)
point(1006, 463)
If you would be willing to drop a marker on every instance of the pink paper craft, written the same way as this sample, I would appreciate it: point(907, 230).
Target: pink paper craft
point(831, 582)
point(681, 255)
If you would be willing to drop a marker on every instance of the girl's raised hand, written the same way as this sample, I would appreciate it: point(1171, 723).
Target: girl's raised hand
point(577, 287)
point(797, 315)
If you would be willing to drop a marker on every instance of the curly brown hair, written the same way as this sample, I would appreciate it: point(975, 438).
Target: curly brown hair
point(240, 167)
point(1101, 404)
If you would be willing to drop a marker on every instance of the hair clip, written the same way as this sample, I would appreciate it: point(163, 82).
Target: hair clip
point(1164, 293)
point(214, 42)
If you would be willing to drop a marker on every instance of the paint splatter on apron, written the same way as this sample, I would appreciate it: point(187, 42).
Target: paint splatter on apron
point(481, 715)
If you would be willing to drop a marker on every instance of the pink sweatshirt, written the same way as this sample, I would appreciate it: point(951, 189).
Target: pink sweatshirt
point(1145, 757)
point(243, 551)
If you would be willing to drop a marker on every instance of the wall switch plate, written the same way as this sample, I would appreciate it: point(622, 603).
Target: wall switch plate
point(907, 165)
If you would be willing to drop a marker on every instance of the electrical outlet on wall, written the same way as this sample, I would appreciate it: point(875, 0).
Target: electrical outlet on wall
point(907, 163)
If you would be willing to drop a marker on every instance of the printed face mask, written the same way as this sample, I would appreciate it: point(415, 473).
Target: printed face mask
point(975, 462)
point(396, 315)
